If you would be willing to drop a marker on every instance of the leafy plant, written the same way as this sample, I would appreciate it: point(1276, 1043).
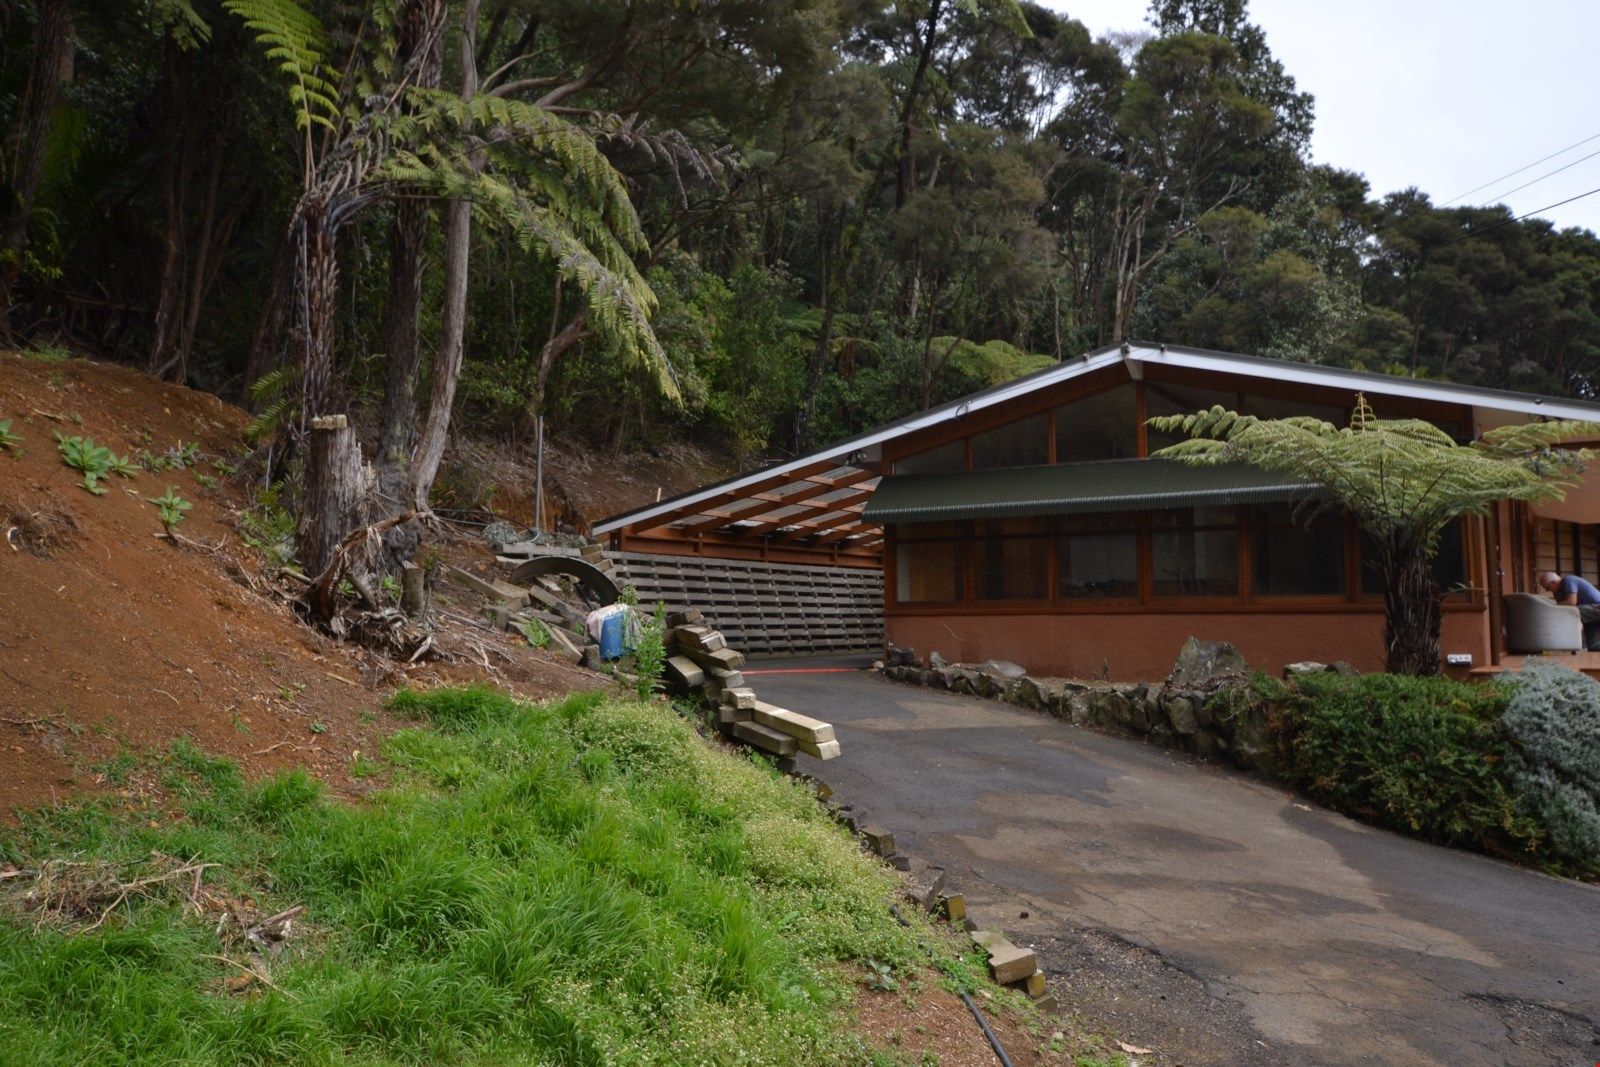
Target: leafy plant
point(390, 586)
point(1553, 724)
point(650, 652)
point(274, 399)
point(880, 976)
point(205, 481)
point(171, 506)
point(82, 454)
point(533, 631)
point(269, 528)
point(8, 440)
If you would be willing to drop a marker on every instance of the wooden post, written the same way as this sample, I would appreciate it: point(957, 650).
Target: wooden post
point(412, 596)
point(333, 496)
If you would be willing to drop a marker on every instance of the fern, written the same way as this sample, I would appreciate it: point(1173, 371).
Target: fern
point(274, 392)
point(295, 38)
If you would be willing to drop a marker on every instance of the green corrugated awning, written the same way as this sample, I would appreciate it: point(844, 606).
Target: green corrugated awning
point(1076, 488)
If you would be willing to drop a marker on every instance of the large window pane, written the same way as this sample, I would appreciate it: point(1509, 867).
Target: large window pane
point(929, 572)
point(1292, 560)
point(1016, 444)
point(942, 460)
point(1165, 398)
point(1449, 566)
point(1011, 568)
point(1103, 426)
point(1190, 556)
point(1098, 565)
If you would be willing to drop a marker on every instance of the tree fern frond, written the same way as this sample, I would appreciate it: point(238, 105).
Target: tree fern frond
point(295, 39)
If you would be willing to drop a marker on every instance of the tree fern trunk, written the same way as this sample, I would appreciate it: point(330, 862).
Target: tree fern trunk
point(1412, 604)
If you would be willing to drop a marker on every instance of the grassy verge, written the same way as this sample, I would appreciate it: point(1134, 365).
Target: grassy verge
point(581, 882)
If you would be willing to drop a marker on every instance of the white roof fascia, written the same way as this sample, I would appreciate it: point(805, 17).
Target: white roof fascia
point(839, 452)
point(1333, 377)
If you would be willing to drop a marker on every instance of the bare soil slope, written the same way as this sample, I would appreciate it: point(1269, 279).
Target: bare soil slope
point(113, 638)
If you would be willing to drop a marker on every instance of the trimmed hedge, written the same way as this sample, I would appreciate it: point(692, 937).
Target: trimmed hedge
point(1500, 767)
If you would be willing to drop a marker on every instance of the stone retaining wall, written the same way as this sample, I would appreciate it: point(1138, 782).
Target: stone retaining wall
point(1183, 713)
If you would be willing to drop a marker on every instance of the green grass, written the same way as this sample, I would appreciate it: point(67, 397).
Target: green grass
point(582, 882)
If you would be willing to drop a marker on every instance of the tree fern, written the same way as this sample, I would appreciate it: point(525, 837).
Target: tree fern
point(295, 38)
point(1404, 480)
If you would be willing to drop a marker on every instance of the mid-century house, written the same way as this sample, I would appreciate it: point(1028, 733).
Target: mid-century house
point(1026, 523)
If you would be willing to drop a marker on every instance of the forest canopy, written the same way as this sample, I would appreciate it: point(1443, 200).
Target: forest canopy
point(761, 223)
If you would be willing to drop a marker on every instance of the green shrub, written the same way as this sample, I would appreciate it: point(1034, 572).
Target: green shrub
point(1552, 722)
point(1419, 755)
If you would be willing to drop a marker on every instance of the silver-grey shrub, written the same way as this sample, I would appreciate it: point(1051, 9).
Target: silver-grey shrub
point(1553, 759)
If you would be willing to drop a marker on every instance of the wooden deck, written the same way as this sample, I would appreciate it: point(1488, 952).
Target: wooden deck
point(1587, 662)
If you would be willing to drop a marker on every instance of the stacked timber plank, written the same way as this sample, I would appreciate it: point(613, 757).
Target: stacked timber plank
point(700, 663)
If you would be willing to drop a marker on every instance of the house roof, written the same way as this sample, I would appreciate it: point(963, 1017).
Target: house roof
point(820, 499)
point(1077, 488)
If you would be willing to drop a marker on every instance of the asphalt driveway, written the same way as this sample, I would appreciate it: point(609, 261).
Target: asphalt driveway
point(1213, 917)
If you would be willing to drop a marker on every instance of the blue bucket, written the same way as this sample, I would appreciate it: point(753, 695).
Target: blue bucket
point(611, 634)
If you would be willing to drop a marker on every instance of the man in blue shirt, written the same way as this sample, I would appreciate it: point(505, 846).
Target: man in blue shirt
point(1576, 592)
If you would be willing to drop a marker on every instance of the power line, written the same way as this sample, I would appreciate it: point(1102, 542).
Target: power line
point(1519, 170)
point(1542, 177)
point(1505, 222)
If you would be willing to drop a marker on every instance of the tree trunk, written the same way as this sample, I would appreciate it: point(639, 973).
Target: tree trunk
point(402, 354)
point(317, 302)
point(334, 490)
point(26, 147)
point(457, 246)
point(420, 32)
point(264, 340)
point(177, 152)
point(1412, 604)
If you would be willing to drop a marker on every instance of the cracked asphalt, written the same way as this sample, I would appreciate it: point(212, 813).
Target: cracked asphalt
point(1211, 916)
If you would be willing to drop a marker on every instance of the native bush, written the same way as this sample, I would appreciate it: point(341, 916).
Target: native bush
point(1552, 724)
point(1420, 755)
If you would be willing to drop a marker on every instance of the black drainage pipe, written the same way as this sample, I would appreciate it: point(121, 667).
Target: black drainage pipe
point(972, 1005)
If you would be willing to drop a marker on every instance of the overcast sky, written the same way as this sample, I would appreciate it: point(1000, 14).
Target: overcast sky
point(1438, 94)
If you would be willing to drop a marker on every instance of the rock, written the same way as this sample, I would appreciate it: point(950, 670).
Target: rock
point(878, 841)
point(1033, 985)
point(1002, 668)
point(1179, 709)
point(925, 889)
point(1163, 735)
point(1307, 666)
point(1343, 669)
point(877, 665)
point(1028, 693)
point(591, 657)
point(901, 657)
point(961, 680)
point(1203, 662)
point(935, 661)
point(954, 904)
point(501, 534)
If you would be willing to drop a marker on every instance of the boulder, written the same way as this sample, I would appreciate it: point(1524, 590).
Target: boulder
point(1343, 669)
point(1305, 666)
point(1202, 664)
point(1002, 668)
point(935, 661)
point(1028, 693)
point(1179, 709)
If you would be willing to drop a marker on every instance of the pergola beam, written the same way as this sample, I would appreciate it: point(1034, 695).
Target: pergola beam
point(807, 518)
point(770, 503)
point(704, 504)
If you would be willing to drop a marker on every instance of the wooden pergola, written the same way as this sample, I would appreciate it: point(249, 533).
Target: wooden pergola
point(806, 513)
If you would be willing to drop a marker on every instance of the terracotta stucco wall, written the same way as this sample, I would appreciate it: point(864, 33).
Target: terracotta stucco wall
point(1135, 647)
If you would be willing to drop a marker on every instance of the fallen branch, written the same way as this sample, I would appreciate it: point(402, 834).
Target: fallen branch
point(321, 593)
point(252, 972)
